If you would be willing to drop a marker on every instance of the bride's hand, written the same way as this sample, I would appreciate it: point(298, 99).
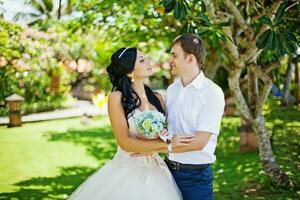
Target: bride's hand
point(163, 135)
point(141, 154)
point(181, 140)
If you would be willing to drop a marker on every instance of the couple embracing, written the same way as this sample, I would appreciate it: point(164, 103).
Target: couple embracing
point(193, 106)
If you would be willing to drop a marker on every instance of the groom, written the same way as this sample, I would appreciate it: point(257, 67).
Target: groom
point(195, 106)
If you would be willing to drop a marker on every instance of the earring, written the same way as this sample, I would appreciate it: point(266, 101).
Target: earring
point(131, 77)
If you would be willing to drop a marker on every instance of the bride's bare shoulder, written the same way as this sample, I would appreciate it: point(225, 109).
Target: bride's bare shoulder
point(114, 102)
point(115, 96)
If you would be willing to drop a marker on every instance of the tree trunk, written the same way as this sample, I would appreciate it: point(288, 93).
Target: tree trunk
point(212, 65)
point(288, 78)
point(59, 10)
point(258, 125)
point(211, 70)
point(247, 137)
point(69, 6)
point(297, 82)
point(266, 155)
point(234, 85)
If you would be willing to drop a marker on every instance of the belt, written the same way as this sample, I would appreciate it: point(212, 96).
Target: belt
point(180, 166)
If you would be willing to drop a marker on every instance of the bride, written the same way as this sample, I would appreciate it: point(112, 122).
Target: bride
point(137, 171)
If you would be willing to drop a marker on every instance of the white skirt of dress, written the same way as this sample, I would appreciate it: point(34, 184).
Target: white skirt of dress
point(129, 178)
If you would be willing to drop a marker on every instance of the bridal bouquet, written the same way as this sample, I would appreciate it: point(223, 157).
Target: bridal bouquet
point(150, 123)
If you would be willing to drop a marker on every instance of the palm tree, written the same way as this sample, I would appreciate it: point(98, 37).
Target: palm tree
point(1, 9)
point(43, 10)
point(68, 8)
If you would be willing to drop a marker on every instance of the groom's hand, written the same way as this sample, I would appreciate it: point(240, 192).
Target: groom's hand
point(181, 140)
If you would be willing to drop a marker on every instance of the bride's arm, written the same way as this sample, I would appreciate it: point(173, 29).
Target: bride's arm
point(121, 132)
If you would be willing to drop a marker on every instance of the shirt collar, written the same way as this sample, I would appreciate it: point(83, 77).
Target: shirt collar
point(197, 82)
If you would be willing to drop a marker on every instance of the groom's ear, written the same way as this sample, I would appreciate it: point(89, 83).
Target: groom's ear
point(191, 58)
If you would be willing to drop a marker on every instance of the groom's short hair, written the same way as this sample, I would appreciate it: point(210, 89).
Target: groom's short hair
point(191, 44)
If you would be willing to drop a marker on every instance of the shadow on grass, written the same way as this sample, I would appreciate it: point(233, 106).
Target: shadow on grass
point(59, 187)
point(98, 142)
point(236, 176)
point(240, 175)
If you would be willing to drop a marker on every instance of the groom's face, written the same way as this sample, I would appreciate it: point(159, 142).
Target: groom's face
point(177, 60)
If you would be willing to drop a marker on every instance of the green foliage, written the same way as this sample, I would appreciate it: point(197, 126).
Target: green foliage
point(194, 17)
point(180, 7)
point(9, 37)
point(103, 28)
point(28, 60)
point(277, 37)
point(193, 14)
point(115, 24)
point(168, 5)
point(34, 89)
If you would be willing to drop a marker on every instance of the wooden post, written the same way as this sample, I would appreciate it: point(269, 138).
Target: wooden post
point(55, 83)
point(14, 102)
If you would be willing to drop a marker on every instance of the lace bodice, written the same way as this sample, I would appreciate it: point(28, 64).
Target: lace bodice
point(132, 129)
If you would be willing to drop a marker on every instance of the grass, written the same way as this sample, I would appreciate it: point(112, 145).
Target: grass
point(48, 160)
point(240, 175)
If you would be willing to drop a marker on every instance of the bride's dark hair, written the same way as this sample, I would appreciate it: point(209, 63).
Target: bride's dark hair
point(122, 64)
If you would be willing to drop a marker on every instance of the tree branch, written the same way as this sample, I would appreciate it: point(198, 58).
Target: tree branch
point(252, 49)
point(252, 83)
point(231, 48)
point(271, 66)
point(211, 11)
point(292, 19)
point(239, 18)
point(266, 88)
point(234, 85)
point(291, 6)
point(271, 15)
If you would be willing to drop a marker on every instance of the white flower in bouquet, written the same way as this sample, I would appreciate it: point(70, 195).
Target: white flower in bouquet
point(150, 123)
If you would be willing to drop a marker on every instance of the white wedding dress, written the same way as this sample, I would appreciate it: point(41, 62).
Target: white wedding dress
point(126, 177)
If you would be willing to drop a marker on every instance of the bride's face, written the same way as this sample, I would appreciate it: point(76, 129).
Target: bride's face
point(142, 67)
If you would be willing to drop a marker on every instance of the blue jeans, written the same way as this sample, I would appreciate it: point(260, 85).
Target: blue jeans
point(195, 184)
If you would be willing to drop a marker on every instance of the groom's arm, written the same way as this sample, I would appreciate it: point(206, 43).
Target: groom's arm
point(209, 121)
point(200, 140)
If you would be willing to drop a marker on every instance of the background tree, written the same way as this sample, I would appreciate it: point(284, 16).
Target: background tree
point(245, 30)
point(43, 10)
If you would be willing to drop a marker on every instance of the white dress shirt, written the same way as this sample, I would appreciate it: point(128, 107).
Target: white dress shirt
point(199, 106)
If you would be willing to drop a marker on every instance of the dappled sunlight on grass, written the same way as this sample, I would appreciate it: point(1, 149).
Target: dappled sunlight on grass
point(98, 142)
point(240, 175)
point(48, 160)
point(236, 175)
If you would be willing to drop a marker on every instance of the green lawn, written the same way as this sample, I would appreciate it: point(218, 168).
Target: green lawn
point(48, 160)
